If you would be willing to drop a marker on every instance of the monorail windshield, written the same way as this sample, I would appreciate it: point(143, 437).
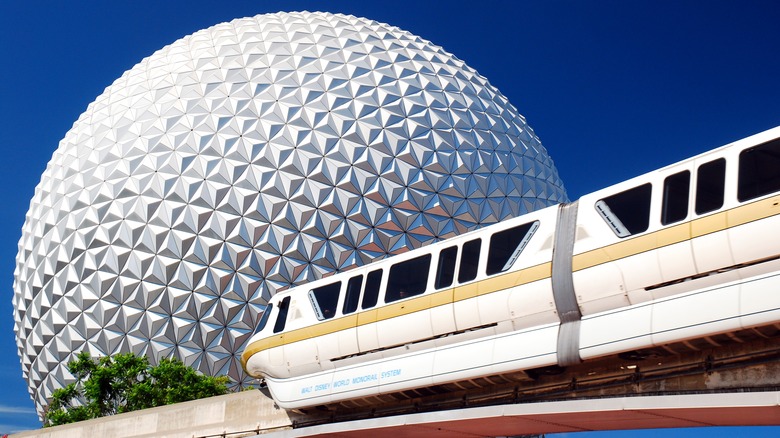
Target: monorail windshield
point(264, 317)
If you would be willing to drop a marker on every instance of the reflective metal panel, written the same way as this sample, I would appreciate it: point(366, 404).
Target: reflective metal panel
point(245, 158)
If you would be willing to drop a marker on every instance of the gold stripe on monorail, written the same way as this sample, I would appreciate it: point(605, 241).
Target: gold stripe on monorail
point(625, 248)
point(394, 310)
point(713, 223)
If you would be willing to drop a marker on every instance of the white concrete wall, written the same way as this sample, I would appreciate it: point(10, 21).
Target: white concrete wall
point(227, 414)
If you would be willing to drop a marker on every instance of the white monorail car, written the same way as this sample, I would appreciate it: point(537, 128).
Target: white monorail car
point(687, 251)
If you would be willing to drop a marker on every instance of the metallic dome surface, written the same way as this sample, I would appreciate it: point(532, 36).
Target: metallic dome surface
point(248, 157)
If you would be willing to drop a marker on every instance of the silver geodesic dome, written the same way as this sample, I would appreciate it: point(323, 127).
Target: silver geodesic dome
point(248, 157)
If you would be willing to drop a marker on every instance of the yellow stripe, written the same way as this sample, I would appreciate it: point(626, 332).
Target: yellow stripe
point(708, 225)
point(366, 317)
point(534, 273)
point(442, 297)
point(321, 329)
point(493, 284)
point(514, 279)
point(425, 302)
point(464, 292)
point(714, 223)
point(403, 307)
point(755, 211)
point(674, 234)
point(668, 236)
point(261, 345)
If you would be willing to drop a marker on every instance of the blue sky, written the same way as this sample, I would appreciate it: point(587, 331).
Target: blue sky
point(613, 88)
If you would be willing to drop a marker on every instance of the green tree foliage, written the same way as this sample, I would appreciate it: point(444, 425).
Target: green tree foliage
point(124, 383)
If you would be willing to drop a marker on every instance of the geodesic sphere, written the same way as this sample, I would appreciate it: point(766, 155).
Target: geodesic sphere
point(248, 157)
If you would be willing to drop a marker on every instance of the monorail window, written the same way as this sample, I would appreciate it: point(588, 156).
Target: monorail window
point(353, 295)
point(627, 212)
point(677, 189)
point(408, 278)
point(325, 300)
point(264, 318)
point(759, 171)
point(371, 294)
point(506, 246)
point(445, 271)
point(710, 185)
point(281, 319)
point(469, 261)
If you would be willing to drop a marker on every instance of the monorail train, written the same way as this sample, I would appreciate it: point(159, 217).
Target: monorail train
point(684, 252)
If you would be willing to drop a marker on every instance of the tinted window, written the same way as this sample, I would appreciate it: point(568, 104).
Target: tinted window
point(469, 261)
point(506, 246)
point(408, 278)
point(445, 272)
point(264, 318)
point(371, 294)
point(675, 202)
point(325, 300)
point(281, 320)
point(759, 171)
point(353, 294)
point(710, 182)
point(627, 212)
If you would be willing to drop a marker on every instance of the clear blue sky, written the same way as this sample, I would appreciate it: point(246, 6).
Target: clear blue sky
point(613, 89)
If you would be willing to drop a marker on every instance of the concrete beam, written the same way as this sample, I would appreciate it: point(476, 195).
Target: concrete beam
point(649, 412)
